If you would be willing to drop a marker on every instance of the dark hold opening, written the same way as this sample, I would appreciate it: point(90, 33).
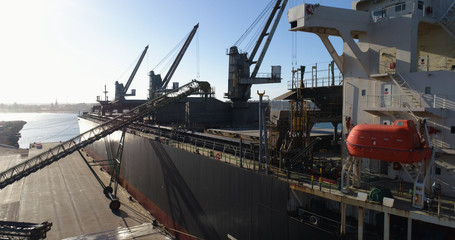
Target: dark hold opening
point(293, 24)
point(437, 171)
point(452, 129)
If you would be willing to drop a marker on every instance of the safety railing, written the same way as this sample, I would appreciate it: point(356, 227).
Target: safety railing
point(397, 101)
point(402, 8)
point(317, 82)
point(384, 101)
point(433, 62)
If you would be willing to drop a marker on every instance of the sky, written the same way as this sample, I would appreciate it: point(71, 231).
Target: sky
point(68, 50)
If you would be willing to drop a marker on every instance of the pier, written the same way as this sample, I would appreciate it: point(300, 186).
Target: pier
point(67, 195)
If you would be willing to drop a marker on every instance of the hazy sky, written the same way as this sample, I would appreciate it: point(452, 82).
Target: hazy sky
point(67, 50)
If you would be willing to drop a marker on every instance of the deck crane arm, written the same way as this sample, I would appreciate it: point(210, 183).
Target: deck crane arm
point(138, 64)
point(60, 151)
point(179, 57)
point(240, 80)
point(120, 90)
point(279, 5)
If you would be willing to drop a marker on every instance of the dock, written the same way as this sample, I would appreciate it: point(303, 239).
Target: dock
point(68, 195)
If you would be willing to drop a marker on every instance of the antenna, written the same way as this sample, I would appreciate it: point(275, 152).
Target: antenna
point(105, 93)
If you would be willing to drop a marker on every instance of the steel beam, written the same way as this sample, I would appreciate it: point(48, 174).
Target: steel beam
point(360, 224)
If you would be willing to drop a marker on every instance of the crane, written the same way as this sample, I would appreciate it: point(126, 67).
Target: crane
point(240, 80)
point(159, 85)
point(120, 90)
point(58, 152)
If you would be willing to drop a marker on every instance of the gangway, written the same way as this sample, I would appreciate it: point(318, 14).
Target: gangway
point(33, 164)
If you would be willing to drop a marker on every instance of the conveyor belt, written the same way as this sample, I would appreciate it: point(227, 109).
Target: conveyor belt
point(60, 151)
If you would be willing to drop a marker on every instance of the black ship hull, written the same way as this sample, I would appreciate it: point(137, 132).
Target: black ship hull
point(198, 196)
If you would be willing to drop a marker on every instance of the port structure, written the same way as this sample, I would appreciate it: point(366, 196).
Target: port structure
point(240, 80)
point(54, 154)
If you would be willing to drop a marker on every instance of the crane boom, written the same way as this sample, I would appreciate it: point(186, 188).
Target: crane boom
point(138, 64)
point(264, 32)
point(60, 151)
point(240, 80)
point(179, 57)
point(269, 35)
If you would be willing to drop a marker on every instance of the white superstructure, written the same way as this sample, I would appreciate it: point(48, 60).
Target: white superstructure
point(397, 56)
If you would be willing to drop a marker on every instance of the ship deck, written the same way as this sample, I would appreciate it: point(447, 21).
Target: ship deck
point(67, 194)
point(253, 134)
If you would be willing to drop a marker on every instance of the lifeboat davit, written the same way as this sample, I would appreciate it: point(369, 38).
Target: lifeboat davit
point(399, 142)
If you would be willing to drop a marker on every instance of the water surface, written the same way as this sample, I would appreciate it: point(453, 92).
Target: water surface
point(44, 127)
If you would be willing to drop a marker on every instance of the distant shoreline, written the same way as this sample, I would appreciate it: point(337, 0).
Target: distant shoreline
point(43, 111)
point(45, 108)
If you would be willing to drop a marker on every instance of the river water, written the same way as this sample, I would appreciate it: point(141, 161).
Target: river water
point(44, 127)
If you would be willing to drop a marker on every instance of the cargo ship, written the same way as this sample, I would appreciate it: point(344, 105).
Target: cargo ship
point(205, 181)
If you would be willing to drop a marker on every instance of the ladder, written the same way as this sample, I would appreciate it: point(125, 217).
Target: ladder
point(298, 158)
point(405, 88)
point(58, 152)
point(447, 21)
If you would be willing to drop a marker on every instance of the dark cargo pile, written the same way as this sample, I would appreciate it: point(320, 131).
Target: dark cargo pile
point(9, 132)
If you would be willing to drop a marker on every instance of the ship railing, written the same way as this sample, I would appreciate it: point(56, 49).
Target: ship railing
point(330, 76)
point(325, 223)
point(440, 8)
point(387, 101)
point(264, 75)
point(316, 82)
point(396, 101)
point(439, 101)
point(402, 8)
point(439, 143)
point(425, 63)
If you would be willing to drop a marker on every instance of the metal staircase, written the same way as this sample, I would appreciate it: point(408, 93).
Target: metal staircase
point(405, 88)
point(60, 151)
point(298, 158)
point(447, 20)
point(411, 170)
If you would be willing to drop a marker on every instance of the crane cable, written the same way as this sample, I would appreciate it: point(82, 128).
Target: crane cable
point(255, 22)
point(128, 69)
point(294, 50)
point(168, 59)
point(198, 76)
point(253, 40)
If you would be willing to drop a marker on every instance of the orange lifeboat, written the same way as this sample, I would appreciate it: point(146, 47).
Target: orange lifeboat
point(399, 142)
